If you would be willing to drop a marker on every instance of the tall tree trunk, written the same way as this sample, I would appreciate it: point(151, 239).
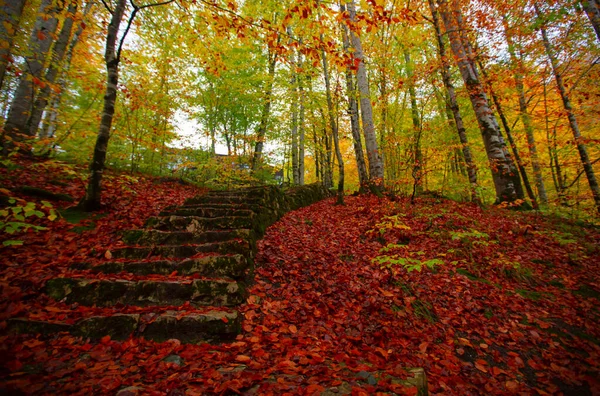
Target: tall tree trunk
point(453, 105)
point(525, 117)
point(16, 128)
point(361, 166)
point(581, 148)
point(91, 200)
point(504, 183)
point(334, 128)
point(592, 9)
point(417, 171)
point(10, 17)
point(294, 113)
point(513, 145)
point(301, 126)
point(56, 62)
point(366, 109)
point(49, 124)
point(266, 112)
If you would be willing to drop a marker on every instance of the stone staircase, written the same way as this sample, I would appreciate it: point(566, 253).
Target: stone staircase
point(209, 243)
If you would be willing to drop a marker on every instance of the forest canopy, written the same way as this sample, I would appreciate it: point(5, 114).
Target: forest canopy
point(474, 100)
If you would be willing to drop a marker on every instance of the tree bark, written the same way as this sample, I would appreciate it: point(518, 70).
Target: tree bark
point(10, 17)
point(453, 106)
point(366, 109)
point(334, 128)
point(58, 54)
point(513, 145)
point(581, 148)
point(91, 200)
point(592, 9)
point(266, 113)
point(417, 171)
point(361, 166)
point(517, 65)
point(504, 182)
point(16, 126)
point(301, 126)
point(49, 124)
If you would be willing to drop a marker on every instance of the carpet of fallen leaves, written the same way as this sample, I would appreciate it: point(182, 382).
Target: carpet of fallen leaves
point(488, 302)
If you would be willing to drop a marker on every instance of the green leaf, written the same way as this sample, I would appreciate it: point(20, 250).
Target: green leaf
point(12, 243)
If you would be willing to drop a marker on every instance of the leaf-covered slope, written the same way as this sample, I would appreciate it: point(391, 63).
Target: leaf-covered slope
point(345, 297)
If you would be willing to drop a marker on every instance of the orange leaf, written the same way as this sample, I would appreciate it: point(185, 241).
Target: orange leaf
point(480, 366)
point(511, 385)
point(423, 347)
point(293, 329)
point(243, 358)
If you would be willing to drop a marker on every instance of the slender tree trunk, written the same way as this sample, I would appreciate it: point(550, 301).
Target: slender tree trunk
point(91, 200)
point(581, 148)
point(334, 128)
point(361, 166)
point(417, 171)
point(58, 54)
point(294, 114)
point(592, 9)
point(10, 17)
point(525, 117)
point(504, 183)
point(16, 126)
point(366, 109)
point(301, 126)
point(266, 112)
point(49, 124)
point(453, 106)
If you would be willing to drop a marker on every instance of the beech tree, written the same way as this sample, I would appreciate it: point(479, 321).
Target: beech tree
point(505, 183)
point(112, 56)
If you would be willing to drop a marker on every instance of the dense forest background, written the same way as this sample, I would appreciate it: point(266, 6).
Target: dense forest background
point(476, 100)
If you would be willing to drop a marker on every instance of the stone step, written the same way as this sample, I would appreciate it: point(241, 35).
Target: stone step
point(203, 211)
point(216, 292)
point(208, 326)
point(198, 224)
point(233, 266)
point(157, 237)
point(231, 199)
point(236, 246)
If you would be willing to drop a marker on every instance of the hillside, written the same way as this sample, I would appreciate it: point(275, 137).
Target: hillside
point(344, 297)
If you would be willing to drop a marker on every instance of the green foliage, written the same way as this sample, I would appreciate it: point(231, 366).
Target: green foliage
point(389, 223)
point(14, 218)
point(410, 264)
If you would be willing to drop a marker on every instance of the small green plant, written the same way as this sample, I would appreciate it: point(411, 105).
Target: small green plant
point(14, 218)
point(389, 223)
point(410, 264)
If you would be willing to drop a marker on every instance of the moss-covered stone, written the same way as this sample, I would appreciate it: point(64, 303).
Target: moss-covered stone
point(118, 327)
point(26, 326)
point(198, 224)
point(245, 247)
point(157, 237)
point(233, 266)
point(144, 293)
point(209, 326)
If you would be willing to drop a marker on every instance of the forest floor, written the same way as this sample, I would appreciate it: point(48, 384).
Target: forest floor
point(491, 302)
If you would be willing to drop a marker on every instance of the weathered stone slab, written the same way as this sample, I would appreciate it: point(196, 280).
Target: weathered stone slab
point(233, 266)
point(158, 237)
point(26, 326)
point(213, 325)
point(118, 326)
point(201, 224)
point(184, 251)
point(204, 211)
point(198, 292)
point(191, 328)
